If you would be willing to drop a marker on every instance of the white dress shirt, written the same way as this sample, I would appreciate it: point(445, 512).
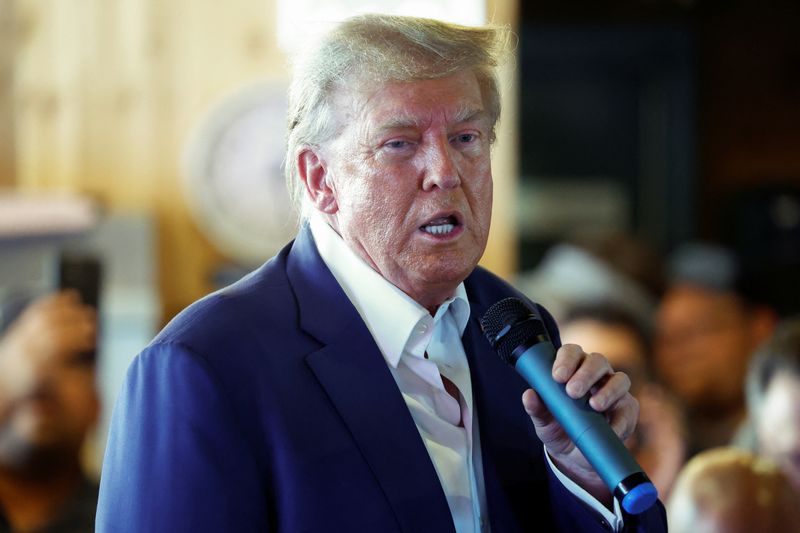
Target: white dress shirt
point(404, 332)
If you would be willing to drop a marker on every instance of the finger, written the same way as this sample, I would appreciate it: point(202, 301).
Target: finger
point(84, 336)
point(54, 310)
point(60, 332)
point(54, 301)
point(593, 368)
point(79, 314)
point(609, 391)
point(624, 416)
point(536, 408)
point(547, 427)
point(80, 334)
point(71, 313)
point(568, 358)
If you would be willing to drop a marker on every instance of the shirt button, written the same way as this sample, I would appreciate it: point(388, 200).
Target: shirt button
point(422, 328)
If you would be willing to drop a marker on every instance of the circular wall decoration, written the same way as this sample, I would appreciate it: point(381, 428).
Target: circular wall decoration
point(233, 170)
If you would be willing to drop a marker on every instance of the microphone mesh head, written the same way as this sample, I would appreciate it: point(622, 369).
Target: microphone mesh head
point(522, 322)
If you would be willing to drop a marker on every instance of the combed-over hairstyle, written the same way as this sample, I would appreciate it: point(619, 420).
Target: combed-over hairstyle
point(377, 49)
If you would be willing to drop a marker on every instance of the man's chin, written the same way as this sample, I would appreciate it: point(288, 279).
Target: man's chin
point(41, 429)
point(449, 266)
point(444, 275)
point(33, 455)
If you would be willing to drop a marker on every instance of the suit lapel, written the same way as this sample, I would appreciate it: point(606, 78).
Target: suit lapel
point(351, 369)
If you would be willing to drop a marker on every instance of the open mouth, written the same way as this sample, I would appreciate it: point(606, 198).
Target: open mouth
point(441, 226)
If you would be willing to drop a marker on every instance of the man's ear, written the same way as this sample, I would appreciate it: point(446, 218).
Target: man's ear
point(319, 188)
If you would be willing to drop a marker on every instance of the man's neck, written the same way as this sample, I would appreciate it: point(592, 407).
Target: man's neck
point(31, 502)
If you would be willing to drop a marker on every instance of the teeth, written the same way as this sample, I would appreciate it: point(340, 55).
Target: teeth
point(438, 229)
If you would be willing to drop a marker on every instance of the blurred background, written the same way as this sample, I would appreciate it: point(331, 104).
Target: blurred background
point(147, 137)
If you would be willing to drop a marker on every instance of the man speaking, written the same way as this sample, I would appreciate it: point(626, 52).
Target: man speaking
point(345, 385)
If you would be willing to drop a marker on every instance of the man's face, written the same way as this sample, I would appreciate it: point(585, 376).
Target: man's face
point(51, 422)
point(703, 343)
point(408, 184)
point(778, 425)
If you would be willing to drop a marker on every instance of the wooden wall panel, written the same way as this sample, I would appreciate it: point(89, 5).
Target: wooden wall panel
point(7, 157)
point(501, 251)
point(108, 92)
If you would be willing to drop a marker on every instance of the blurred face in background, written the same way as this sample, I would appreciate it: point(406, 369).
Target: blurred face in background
point(618, 343)
point(50, 424)
point(778, 425)
point(704, 340)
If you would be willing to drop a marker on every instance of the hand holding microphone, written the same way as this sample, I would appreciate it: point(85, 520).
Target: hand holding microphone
point(574, 394)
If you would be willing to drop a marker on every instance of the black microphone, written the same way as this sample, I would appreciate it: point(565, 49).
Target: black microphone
point(519, 336)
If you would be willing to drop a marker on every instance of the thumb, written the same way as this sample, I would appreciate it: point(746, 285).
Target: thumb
point(536, 409)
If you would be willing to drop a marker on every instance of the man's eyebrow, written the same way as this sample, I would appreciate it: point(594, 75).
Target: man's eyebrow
point(469, 114)
point(399, 122)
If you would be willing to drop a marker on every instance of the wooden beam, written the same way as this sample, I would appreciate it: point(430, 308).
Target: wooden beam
point(501, 255)
point(7, 157)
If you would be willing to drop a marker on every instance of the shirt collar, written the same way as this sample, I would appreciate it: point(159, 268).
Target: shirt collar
point(394, 319)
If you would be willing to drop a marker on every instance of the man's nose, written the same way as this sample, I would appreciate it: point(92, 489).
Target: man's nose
point(441, 169)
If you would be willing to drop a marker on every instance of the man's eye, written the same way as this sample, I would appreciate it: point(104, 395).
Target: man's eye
point(466, 138)
point(396, 144)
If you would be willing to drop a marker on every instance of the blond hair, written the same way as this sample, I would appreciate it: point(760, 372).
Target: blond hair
point(730, 490)
point(377, 49)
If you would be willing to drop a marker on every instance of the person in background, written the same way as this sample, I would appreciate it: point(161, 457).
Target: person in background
point(727, 490)
point(608, 268)
point(708, 324)
point(659, 442)
point(346, 384)
point(48, 404)
point(773, 399)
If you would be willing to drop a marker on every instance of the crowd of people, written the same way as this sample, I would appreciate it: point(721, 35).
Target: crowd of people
point(271, 396)
point(714, 364)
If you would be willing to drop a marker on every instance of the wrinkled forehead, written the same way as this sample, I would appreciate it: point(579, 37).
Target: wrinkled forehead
point(389, 103)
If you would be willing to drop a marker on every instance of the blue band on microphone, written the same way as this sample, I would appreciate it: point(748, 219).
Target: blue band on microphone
point(640, 498)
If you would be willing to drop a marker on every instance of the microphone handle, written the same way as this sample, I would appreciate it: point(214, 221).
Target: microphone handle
point(588, 429)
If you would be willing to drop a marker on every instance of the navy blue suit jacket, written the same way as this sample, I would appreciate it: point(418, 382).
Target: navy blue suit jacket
point(267, 406)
